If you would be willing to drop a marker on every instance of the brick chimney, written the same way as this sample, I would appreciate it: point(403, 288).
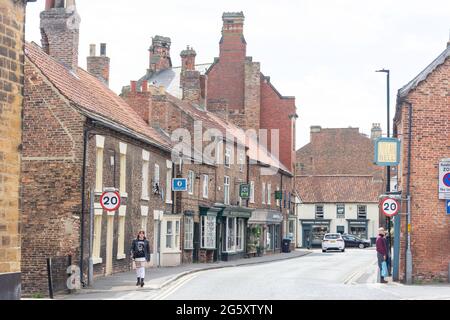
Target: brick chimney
point(233, 44)
point(98, 66)
point(188, 59)
point(60, 31)
point(192, 91)
point(160, 54)
point(376, 131)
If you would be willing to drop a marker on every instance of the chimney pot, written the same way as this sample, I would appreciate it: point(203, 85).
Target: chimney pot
point(49, 4)
point(103, 49)
point(92, 50)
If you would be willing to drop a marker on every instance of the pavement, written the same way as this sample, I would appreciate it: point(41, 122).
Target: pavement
point(159, 278)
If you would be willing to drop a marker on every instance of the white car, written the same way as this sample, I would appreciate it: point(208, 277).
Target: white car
point(333, 241)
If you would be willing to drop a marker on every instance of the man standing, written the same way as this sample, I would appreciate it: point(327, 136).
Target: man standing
point(381, 251)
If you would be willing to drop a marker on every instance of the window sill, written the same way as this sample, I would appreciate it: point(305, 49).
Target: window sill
point(169, 202)
point(145, 198)
point(97, 260)
point(168, 251)
point(121, 256)
point(208, 248)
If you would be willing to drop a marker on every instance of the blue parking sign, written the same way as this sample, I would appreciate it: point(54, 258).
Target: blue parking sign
point(179, 184)
point(448, 206)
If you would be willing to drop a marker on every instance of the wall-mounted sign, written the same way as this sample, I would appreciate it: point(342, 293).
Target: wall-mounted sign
point(244, 191)
point(444, 179)
point(387, 152)
point(278, 195)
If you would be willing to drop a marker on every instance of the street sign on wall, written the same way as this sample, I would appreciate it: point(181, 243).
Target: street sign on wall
point(244, 191)
point(448, 206)
point(179, 184)
point(444, 179)
point(387, 152)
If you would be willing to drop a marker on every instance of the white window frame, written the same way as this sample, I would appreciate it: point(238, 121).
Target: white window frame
point(100, 145)
point(123, 169)
point(208, 237)
point(169, 236)
point(263, 193)
point(191, 182)
point(156, 176)
point(145, 175)
point(252, 191)
point(188, 233)
point(269, 194)
point(365, 211)
point(226, 190)
point(168, 194)
point(230, 238)
point(177, 235)
point(323, 211)
point(228, 151)
point(205, 186)
point(121, 233)
point(240, 234)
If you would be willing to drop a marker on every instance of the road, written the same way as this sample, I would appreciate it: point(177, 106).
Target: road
point(351, 275)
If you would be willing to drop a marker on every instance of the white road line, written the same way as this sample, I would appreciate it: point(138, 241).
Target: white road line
point(174, 288)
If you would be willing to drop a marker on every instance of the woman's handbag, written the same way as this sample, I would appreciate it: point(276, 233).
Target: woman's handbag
point(384, 270)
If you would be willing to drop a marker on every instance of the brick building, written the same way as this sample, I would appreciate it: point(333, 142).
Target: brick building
point(12, 31)
point(79, 138)
point(423, 111)
point(338, 184)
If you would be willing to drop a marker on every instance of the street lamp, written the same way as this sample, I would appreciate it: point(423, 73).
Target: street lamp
point(388, 178)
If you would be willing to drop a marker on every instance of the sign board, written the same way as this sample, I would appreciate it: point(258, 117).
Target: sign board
point(390, 207)
point(444, 179)
point(179, 184)
point(278, 195)
point(244, 191)
point(110, 200)
point(448, 206)
point(387, 152)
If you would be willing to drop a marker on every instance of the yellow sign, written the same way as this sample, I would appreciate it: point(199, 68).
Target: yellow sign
point(409, 228)
point(387, 152)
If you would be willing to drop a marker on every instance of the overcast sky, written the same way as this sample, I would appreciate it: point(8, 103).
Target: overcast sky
point(323, 52)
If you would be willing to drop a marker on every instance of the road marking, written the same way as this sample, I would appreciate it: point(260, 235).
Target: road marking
point(174, 288)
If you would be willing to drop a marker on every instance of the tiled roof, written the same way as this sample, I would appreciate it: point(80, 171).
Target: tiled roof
point(403, 92)
point(338, 189)
point(93, 97)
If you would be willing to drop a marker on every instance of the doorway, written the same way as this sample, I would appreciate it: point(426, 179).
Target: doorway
point(196, 243)
point(306, 237)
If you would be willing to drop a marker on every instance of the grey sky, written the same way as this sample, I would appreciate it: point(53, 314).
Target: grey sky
point(323, 52)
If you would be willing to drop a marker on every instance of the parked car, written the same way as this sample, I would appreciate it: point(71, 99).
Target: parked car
point(355, 242)
point(333, 241)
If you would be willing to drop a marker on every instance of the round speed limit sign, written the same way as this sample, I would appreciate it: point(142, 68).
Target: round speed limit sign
point(390, 207)
point(110, 200)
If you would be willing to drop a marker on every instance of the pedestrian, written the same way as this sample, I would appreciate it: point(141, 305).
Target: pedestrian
point(140, 253)
point(381, 252)
point(388, 253)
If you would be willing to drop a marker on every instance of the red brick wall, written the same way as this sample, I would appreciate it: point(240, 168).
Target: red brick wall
point(430, 143)
point(275, 114)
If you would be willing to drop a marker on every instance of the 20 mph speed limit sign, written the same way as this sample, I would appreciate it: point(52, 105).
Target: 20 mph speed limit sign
point(110, 200)
point(390, 207)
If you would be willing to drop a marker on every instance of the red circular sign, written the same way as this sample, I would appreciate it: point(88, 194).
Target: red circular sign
point(110, 200)
point(390, 207)
point(446, 179)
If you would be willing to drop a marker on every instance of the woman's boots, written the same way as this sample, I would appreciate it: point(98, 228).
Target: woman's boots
point(142, 282)
point(138, 281)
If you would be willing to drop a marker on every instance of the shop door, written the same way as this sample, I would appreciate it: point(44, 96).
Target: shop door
point(306, 237)
point(197, 236)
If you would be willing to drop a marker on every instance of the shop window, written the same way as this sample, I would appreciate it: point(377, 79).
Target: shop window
point(360, 232)
point(340, 229)
point(319, 211)
point(317, 235)
point(240, 235)
point(362, 212)
point(277, 236)
point(189, 233)
point(231, 234)
point(269, 237)
point(208, 229)
point(340, 211)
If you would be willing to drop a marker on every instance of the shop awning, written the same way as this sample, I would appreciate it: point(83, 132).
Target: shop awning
point(213, 211)
point(266, 217)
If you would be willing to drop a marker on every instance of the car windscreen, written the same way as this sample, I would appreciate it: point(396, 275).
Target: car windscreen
point(332, 236)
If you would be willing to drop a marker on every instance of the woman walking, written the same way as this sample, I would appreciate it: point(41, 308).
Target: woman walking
point(140, 253)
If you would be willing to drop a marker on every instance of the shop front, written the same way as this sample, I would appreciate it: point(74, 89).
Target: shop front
point(313, 232)
point(358, 228)
point(232, 235)
point(264, 232)
point(205, 235)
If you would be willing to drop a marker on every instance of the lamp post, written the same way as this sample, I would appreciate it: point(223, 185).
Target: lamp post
point(388, 175)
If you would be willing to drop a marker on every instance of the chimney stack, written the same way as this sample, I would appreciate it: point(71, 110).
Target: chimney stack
point(376, 131)
point(160, 54)
point(60, 31)
point(98, 66)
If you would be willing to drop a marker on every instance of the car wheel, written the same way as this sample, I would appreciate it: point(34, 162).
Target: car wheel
point(324, 251)
point(361, 246)
point(343, 250)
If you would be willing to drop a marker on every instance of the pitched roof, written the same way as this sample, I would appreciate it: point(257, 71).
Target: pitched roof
point(403, 92)
point(338, 189)
point(93, 98)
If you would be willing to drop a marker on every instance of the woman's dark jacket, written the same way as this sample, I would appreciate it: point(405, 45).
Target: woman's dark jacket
point(140, 249)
